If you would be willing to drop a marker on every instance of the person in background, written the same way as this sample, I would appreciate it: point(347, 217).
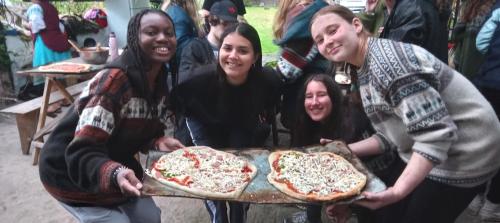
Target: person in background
point(445, 131)
point(374, 16)
point(472, 15)
point(203, 51)
point(487, 205)
point(417, 22)
point(49, 41)
point(298, 56)
point(88, 161)
point(488, 43)
point(226, 106)
point(240, 6)
point(186, 22)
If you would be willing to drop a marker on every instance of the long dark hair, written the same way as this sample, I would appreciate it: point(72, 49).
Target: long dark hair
point(139, 57)
point(307, 131)
point(249, 33)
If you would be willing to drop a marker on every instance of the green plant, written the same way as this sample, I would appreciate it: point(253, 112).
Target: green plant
point(75, 8)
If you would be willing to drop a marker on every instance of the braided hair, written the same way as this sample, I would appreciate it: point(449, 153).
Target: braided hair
point(139, 57)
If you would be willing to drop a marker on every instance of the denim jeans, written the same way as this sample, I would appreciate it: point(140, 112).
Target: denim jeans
point(136, 210)
point(216, 209)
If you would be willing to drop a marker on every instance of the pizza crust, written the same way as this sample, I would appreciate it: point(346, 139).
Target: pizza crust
point(156, 174)
point(283, 186)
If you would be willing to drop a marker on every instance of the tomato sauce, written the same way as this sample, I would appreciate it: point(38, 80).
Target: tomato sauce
point(276, 164)
point(289, 185)
point(185, 182)
point(246, 169)
point(192, 157)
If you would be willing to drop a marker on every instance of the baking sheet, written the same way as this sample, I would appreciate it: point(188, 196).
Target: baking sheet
point(260, 190)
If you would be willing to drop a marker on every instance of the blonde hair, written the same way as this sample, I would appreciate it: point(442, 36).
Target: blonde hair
point(283, 8)
point(190, 6)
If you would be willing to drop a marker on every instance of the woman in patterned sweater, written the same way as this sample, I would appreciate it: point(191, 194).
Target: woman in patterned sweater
point(445, 130)
point(88, 162)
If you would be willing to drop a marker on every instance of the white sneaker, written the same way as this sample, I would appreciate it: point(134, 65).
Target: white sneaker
point(490, 212)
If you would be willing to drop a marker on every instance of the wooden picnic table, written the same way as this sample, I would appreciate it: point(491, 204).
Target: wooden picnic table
point(55, 79)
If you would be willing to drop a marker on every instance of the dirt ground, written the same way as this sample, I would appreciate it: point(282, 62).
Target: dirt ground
point(23, 199)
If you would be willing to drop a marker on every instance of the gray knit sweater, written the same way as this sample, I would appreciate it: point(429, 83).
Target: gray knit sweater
point(421, 105)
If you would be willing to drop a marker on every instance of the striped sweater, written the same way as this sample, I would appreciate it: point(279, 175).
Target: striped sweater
point(106, 127)
point(421, 105)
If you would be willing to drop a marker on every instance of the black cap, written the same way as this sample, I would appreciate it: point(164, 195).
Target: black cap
point(225, 10)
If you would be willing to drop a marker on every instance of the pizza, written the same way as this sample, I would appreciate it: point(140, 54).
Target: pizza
point(65, 67)
point(321, 176)
point(204, 171)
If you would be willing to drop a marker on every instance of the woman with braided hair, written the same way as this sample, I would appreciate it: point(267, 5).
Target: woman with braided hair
point(88, 162)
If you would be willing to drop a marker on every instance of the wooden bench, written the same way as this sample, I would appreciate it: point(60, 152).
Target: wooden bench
point(27, 114)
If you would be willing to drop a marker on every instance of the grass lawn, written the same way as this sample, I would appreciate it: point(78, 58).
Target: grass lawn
point(262, 20)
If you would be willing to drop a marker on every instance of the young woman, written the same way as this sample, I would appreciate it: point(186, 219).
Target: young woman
point(299, 56)
point(225, 106)
point(324, 113)
point(445, 130)
point(319, 111)
point(186, 22)
point(88, 162)
point(319, 115)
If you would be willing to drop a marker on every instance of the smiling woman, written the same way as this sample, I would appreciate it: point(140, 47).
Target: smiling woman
point(418, 104)
point(224, 106)
point(157, 39)
point(88, 162)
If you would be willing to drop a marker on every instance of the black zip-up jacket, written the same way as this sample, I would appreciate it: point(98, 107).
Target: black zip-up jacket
point(418, 22)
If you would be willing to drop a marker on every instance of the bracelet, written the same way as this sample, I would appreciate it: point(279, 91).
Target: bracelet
point(114, 175)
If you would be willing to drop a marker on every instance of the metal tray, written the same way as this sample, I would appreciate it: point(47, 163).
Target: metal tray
point(260, 190)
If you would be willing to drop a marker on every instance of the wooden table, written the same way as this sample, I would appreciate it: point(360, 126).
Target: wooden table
point(53, 79)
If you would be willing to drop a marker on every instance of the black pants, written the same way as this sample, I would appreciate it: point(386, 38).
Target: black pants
point(218, 211)
point(430, 202)
point(493, 96)
point(493, 193)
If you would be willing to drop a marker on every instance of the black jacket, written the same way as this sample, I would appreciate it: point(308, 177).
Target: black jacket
point(219, 106)
point(197, 53)
point(418, 22)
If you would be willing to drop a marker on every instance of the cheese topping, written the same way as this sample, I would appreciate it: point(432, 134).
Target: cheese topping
point(208, 169)
point(317, 173)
